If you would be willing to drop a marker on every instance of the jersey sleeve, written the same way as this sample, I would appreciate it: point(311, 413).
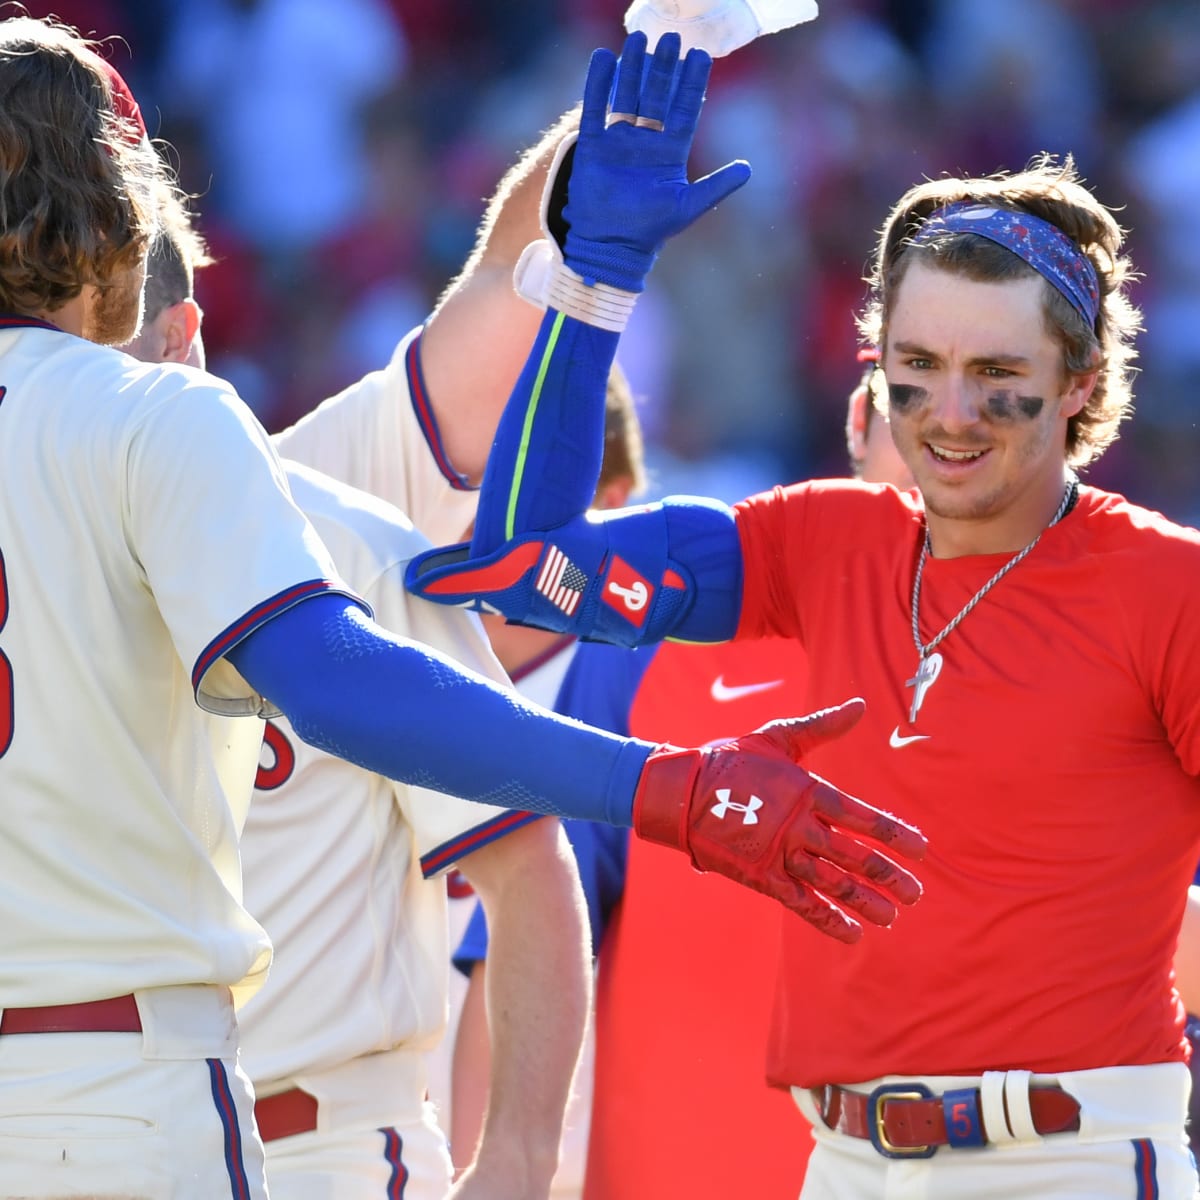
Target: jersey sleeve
point(380, 435)
point(1169, 640)
point(211, 522)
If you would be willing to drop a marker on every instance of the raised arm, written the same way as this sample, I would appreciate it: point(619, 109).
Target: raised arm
point(480, 332)
point(633, 575)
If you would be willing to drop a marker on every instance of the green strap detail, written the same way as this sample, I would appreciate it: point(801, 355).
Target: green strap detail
point(510, 519)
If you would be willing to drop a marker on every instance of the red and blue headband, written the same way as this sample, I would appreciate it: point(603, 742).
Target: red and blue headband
point(124, 105)
point(1041, 244)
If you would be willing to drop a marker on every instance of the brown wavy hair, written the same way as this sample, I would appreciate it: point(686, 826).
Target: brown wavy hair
point(1052, 190)
point(77, 185)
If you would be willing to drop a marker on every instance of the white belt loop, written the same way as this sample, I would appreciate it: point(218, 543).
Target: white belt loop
point(991, 1096)
point(1016, 1102)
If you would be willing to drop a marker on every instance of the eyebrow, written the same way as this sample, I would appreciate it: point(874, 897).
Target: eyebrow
point(994, 359)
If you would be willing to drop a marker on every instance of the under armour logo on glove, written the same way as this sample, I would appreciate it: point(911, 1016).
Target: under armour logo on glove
point(749, 810)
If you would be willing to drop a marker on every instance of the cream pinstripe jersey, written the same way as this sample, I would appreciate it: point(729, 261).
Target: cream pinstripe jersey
point(145, 528)
point(342, 866)
point(380, 435)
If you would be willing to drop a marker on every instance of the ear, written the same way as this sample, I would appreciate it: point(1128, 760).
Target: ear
point(180, 329)
point(1078, 392)
point(615, 493)
point(856, 423)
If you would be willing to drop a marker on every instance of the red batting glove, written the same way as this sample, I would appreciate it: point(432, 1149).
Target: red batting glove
point(747, 810)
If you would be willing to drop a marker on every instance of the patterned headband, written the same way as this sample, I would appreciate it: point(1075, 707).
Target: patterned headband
point(124, 105)
point(1042, 245)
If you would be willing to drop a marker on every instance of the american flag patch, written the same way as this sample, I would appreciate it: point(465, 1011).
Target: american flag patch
point(561, 581)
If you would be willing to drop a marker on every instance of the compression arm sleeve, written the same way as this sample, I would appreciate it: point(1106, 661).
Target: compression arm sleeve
point(672, 569)
point(544, 466)
point(400, 709)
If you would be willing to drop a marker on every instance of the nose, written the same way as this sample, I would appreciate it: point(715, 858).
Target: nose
point(956, 403)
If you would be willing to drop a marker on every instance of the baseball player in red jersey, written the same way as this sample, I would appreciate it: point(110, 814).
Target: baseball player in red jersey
point(124, 936)
point(1028, 648)
point(680, 1073)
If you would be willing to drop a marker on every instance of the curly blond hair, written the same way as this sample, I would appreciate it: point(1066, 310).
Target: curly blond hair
point(77, 189)
point(1052, 190)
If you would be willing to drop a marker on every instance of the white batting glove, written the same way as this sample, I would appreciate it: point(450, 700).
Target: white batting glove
point(718, 26)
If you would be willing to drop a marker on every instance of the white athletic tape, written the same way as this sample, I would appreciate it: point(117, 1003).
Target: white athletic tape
point(594, 304)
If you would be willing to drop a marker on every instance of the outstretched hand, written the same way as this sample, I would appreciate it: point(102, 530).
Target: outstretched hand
point(629, 190)
point(747, 810)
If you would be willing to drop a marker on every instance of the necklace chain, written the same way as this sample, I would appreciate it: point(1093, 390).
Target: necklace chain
point(923, 650)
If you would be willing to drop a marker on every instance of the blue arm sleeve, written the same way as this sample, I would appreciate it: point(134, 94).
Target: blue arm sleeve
point(405, 711)
point(544, 465)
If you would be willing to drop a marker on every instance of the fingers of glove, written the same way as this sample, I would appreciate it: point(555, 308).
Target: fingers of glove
point(708, 192)
point(630, 70)
point(844, 885)
point(689, 94)
point(799, 736)
point(837, 808)
point(812, 839)
point(596, 88)
point(660, 78)
point(873, 865)
point(822, 914)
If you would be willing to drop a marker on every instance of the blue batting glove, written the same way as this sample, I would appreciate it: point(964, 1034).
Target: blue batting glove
point(629, 190)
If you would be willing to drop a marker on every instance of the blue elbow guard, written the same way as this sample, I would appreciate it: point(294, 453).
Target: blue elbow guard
point(628, 576)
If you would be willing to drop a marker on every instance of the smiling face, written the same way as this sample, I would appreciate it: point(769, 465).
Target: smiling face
point(979, 401)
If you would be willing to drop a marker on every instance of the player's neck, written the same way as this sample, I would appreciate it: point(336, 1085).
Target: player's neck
point(1006, 532)
point(69, 318)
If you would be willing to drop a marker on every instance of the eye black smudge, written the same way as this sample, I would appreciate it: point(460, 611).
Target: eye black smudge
point(904, 396)
point(1004, 406)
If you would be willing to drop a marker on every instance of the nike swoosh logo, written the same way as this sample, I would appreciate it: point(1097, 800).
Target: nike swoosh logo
point(898, 743)
point(722, 692)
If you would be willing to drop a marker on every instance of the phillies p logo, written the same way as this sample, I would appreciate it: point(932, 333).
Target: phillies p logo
point(748, 810)
point(627, 591)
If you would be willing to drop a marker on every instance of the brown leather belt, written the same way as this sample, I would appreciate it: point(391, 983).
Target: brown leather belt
point(907, 1121)
point(116, 1015)
point(285, 1114)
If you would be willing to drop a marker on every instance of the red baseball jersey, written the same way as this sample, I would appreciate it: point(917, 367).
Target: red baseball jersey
point(1052, 764)
point(683, 998)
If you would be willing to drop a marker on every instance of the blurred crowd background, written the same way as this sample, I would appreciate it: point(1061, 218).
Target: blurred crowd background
point(342, 153)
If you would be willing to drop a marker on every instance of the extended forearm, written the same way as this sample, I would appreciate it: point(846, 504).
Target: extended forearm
point(408, 712)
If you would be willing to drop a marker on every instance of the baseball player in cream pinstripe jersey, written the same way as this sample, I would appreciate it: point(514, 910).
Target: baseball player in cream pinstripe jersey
point(336, 1041)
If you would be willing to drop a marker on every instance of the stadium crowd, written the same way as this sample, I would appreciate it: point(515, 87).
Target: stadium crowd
point(342, 154)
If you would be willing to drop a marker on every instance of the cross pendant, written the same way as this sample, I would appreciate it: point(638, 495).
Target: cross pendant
point(928, 669)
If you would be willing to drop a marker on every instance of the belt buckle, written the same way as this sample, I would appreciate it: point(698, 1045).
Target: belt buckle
point(879, 1139)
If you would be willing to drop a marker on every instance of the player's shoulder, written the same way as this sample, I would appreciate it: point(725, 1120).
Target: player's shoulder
point(835, 506)
point(365, 400)
point(1147, 545)
point(101, 389)
point(1113, 523)
point(353, 521)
